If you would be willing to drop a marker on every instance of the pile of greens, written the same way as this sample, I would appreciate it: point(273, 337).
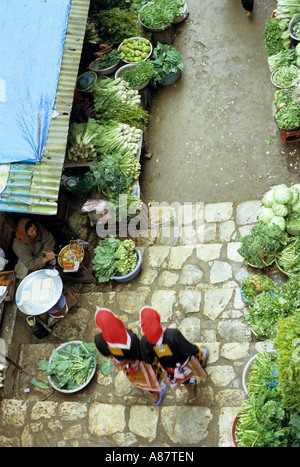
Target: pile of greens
point(115, 100)
point(254, 285)
point(263, 374)
point(140, 74)
point(80, 141)
point(261, 245)
point(73, 365)
point(113, 175)
point(285, 57)
point(116, 24)
point(166, 60)
point(269, 308)
point(278, 204)
point(285, 76)
point(159, 15)
point(286, 345)
point(288, 259)
point(263, 422)
point(296, 26)
point(288, 116)
point(114, 257)
point(276, 35)
point(283, 97)
point(108, 60)
point(265, 313)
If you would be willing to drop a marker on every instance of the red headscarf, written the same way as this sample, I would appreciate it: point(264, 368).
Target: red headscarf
point(150, 324)
point(113, 329)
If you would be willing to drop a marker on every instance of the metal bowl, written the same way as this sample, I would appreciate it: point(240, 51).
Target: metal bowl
point(26, 284)
point(79, 388)
point(137, 38)
point(121, 71)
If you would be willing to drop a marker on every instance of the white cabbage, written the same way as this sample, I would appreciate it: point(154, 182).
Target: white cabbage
point(280, 209)
point(277, 220)
point(265, 215)
point(268, 198)
point(282, 194)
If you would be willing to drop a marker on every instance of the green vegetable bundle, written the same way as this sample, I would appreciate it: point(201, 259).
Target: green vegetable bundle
point(254, 285)
point(80, 142)
point(139, 74)
point(262, 374)
point(72, 365)
point(279, 203)
point(276, 35)
point(108, 60)
point(288, 117)
point(115, 100)
point(116, 24)
point(263, 422)
point(113, 257)
point(288, 260)
point(261, 245)
point(113, 175)
point(166, 60)
point(285, 76)
point(286, 345)
point(265, 313)
point(159, 15)
point(284, 97)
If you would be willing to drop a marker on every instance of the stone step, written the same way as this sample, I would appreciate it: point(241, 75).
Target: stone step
point(70, 424)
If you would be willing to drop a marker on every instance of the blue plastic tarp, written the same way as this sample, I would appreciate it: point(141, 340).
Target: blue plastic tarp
point(32, 35)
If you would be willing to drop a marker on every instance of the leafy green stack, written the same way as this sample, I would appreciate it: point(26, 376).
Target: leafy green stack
point(72, 365)
point(114, 257)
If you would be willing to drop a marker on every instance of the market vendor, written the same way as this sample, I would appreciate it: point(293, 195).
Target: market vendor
point(34, 245)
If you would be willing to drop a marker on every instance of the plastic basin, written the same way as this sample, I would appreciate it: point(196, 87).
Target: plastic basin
point(133, 273)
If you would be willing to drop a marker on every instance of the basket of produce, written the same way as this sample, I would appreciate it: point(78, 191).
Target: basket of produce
point(135, 49)
point(138, 75)
point(253, 286)
point(294, 27)
point(86, 81)
point(71, 366)
point(71, 256)
point(159, 15)
point(107, 64)
point(182, 13)
point(288, 259)
point(288, 117)
point(116, 259)
point(285, 76)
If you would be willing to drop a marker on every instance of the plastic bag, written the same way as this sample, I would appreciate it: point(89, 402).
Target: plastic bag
point(96, 209)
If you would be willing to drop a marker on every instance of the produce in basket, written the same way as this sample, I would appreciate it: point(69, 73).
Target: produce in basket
point(285, 76)
point(72, 365)
point(288, 117)
point(139, 74)
point(114, 257)
point(135, 49)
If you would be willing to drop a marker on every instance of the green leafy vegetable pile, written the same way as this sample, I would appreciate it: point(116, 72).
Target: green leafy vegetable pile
point(288, 260)
point(113, 175)
point(116, 24)
point(276, 35)
point(114, 257)
point(108, 60)
point(159, 15)
point(254, 285)
point(80, 142)
point(288, 116)
point(73, 365)
point(285, 76)
point(261, 245)
point(139, 74)
point(278, 204)
point(286, 345)
point(115, 100)
point(166, 60)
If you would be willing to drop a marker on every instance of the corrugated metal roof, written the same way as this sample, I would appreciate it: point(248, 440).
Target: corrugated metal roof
point(33, 188)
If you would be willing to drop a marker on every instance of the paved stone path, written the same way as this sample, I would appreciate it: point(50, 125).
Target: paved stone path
point(193, 280)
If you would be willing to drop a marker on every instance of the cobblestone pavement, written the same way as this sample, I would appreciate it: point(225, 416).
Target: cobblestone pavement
point(193, 280)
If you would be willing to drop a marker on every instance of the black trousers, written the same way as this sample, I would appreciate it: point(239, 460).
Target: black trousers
point(248, 5)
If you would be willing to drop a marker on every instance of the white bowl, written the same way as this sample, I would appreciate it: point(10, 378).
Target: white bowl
point(121, 71)
point(137, 38)
point(104, 71)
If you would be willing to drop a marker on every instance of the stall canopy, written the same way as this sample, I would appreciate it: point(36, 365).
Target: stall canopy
point(32, 35)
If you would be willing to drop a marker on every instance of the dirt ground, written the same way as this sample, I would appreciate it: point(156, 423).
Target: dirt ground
point(212, 133)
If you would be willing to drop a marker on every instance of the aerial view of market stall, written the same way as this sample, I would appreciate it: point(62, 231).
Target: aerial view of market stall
point(79, 238)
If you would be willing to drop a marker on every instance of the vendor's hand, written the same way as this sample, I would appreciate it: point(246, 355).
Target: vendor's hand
point(50, 256)
point(53, 262)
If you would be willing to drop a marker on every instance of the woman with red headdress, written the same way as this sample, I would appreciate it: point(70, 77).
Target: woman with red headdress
point(123, 346)
point(182, 360)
